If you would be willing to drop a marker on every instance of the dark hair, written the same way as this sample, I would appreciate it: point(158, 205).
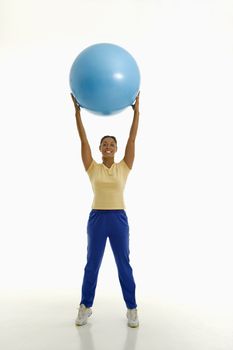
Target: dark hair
point(104, 137)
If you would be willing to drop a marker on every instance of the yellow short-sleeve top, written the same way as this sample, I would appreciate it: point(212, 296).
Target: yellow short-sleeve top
point(108, 184)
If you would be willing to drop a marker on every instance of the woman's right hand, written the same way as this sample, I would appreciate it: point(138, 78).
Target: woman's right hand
point(76, 104)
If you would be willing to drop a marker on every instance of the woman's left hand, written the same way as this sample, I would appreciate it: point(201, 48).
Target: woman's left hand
point(135, 106)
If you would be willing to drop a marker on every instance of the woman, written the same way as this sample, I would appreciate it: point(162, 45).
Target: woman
point(108, 217)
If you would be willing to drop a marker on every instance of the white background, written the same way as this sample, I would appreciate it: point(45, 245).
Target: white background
point(179, 193)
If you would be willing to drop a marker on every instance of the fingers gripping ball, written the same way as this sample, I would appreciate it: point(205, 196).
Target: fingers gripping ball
point(105, 79)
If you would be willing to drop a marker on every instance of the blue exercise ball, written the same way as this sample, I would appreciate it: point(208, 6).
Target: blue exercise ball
point(105, 79)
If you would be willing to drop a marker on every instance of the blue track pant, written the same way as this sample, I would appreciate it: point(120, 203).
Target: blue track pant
point(101, 224)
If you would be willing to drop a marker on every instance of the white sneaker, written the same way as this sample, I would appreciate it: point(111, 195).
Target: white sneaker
point(132, 318)
point(83, 314)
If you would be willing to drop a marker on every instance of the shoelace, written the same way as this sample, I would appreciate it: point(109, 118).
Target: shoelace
point(133, 314)
point(82, 310)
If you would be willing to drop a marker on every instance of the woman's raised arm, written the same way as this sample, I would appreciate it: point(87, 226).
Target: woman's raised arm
point(130, 146)
point(85, 147)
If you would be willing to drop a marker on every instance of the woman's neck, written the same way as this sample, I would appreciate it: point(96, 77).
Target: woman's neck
point(108, 162)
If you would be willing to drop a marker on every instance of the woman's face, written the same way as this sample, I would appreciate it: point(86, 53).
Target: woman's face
point(108, 147)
